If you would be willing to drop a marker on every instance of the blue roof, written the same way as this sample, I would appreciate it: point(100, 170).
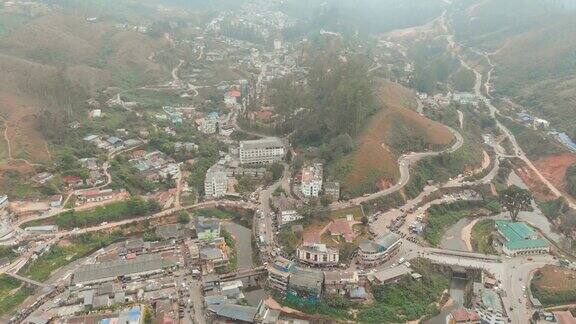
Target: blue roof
point(113, 140)
point(358, 292)
point(564, 138)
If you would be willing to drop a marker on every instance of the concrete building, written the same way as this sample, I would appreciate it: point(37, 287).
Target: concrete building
point(262, 151)
point(91, 196)
point(318, 255)
point(279, 273)
point(332, 189)
point(305, 284)
point(216, 183)
point(375, 252)
point(4, 202)
point(207, 229)
point(288, 216)
point(340, 282)
point(42, 229)
point(517, 238)
point(312, 180)
point(463, 315)
point(109, 271)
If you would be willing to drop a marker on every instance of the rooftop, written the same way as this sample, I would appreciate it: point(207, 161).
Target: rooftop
point(268, 142)
point(100, 271)
point(309, 279)
point(392, 273)
point(235, 312)
point(519, 235)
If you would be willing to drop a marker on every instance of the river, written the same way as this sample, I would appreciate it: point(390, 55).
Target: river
point(243, 238)
point(457, 287)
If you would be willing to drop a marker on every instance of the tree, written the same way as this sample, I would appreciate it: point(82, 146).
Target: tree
point(515, 199)
point(326, 200)
point(183, 217)
point(276, 169)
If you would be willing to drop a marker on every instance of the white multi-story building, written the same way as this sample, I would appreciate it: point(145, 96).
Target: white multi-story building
point(216, 183)
point(262, 151)
point(373, 253)
point(318, 255)
point(312, 180)
point(3, 202)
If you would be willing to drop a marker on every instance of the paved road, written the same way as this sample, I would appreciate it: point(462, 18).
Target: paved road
point(404, 164)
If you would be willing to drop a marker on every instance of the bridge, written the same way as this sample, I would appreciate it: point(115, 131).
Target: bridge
point(465, 254)
point(243, 273)
point(28, 280)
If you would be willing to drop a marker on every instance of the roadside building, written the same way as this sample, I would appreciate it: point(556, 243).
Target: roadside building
point(92, 196)
point(108, 271)
point(305, 284)
point(390, 274)
point(517, 238)
point(340, 282)
point(207, 228)
point(4, 202)
point(213, 258)
point(42, 229)
point(463, 315)
point(215, 183)
point(332, 189)
point(318, 255)
point(262, 151)
point(279, 273)
point(375, 252)
point(312, 180)
point(56, 201)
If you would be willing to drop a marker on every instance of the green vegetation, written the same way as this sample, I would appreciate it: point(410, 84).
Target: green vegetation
point(289, 240)
point(554, 285)
point(408, 299)
point(183, 217)
point(7, 252)
point(515, 199)
point(553, 209)
point(115, 211)
point(340, 93)
point(333, 306)
point(232, 252)
point(125, 176)
point(534, 143)
point(19, 186)
point(463, 80)
point(441, 217)
point(237, 215)
point(12, 294)
point(67, 252)
point(571, 180)
point(482, 237)
point(433, 65)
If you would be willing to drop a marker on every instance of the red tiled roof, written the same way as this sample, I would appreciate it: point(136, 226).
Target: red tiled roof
point(235, 93)
point(464, 315)
point(342, 227)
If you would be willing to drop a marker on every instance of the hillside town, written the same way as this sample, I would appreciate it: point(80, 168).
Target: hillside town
point(199, 199)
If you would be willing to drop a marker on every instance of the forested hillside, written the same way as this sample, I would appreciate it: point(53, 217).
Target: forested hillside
point(533, 43)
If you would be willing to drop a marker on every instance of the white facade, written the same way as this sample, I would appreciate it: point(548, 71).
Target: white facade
point(267, 150)
point(312, 180)
point(209, 126)
point(3, 201)
point(215, 184)
point(288, 216)
point(318, 255)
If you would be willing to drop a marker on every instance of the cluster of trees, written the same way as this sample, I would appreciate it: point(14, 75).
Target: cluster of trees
point(342, 99)
point(134, 207)
point(127, 177)
point(571, 180)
